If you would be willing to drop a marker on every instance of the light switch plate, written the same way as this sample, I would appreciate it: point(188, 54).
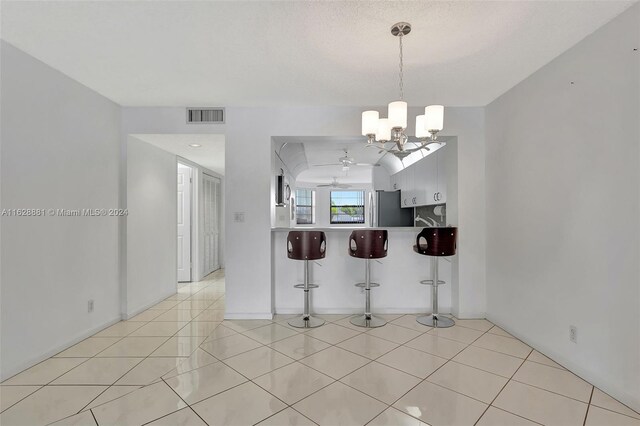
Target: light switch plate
point(238, 216)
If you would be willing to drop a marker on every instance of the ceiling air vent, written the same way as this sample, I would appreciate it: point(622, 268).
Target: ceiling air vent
point(205, 115)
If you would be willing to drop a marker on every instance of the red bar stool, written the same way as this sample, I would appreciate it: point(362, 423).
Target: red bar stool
point(368, 244)
point(436, 243)
point(306, 245)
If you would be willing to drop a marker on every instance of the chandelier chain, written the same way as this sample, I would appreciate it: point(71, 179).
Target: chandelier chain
point(401, 82)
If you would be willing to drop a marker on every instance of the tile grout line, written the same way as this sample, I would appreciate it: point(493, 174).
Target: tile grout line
point(293, 360)
point(433, 372)
point(586, 414)
point(173, 412)
point(143, 359)
point(94, 417)
point(26, 396)
point(502, 389)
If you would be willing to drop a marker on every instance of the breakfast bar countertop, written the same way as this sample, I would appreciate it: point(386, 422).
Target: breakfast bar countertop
point(348, 228)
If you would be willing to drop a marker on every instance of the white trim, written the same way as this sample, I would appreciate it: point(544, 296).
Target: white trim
point(148, 305)
point(381, 311)
point(194, 267)
point(56, 350)
point(247, 315)
point(469, 315)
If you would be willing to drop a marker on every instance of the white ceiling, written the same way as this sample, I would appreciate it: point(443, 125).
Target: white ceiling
point(320, 150)
point(183, 53)
point(210, 154)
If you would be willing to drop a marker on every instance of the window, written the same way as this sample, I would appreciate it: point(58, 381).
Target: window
point(347, 206)
point(305, 206)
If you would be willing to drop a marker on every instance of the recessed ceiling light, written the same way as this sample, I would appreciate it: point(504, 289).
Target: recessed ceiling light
point(195, 145)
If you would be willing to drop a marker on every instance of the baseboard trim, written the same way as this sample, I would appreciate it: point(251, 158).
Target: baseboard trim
point(247, 315)
point(125, 316)
point(57, 349)
point(470, 315)
point(354, 311)
point(598, 381)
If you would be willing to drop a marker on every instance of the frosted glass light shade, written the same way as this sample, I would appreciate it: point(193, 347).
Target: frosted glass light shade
point(398, 114)
point(421, 131)
point(434, 117)
point(370, 122)
point(384, 131)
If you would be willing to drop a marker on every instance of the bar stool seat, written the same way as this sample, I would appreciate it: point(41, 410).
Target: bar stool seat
point(436, 243)
point(368, 244)
point(306, 246)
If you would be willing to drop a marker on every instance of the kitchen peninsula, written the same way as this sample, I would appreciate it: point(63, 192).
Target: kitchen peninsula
point(310, 177)
point(398, 274)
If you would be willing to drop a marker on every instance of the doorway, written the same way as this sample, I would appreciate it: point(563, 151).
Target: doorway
point(185, 183)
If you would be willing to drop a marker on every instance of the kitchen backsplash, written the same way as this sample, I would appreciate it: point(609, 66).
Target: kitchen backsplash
point(430, 216)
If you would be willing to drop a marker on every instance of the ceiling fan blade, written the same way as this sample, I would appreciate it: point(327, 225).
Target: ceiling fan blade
point(343, 186)
point(329, 164)
point(366, 164)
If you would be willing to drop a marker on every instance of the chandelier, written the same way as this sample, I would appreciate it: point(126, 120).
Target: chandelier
point(389, 134)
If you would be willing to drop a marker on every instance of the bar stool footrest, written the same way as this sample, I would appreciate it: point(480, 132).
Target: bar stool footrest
point(302, 286)
point(365, 284)
point(430, 282)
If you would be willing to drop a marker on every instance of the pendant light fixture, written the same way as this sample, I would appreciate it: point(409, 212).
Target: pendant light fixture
point(392, 130)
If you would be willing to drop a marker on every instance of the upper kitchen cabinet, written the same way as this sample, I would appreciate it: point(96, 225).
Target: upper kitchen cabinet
point(424, 182)
point(440, 195)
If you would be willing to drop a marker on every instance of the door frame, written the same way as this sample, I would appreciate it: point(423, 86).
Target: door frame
point(193, 253)
point(219, 213)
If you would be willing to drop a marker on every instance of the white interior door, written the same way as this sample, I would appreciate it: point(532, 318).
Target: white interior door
point(184, 223)
point(211, 228)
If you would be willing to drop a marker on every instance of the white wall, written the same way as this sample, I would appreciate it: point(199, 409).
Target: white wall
point(60, 149)
point(563, 228)
point(249, 189)
point(151, 225)
point(248, 167)
point(139, 120)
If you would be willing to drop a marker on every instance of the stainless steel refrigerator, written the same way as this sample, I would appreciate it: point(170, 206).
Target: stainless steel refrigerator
point(388, 211)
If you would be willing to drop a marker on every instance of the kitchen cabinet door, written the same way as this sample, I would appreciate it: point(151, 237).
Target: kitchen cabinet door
point(407, 198)
point(430, 176)
point(441, 190)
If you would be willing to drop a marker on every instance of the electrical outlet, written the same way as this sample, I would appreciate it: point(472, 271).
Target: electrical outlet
point(90, 306)
point(238, 217)
point(573, 333)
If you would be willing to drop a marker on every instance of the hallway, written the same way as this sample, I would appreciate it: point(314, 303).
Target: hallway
point(179, 363)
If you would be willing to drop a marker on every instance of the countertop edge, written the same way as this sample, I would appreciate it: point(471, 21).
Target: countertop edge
point(388, 228)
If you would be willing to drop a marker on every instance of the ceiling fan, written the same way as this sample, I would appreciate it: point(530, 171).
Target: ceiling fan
point(334, 184)
point(346, 162)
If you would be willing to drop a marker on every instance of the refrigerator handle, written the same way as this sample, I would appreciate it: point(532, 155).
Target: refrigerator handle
point(371, 209)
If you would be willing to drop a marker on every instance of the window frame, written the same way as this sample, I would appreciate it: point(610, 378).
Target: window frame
point(363, 206)
point(312, 206)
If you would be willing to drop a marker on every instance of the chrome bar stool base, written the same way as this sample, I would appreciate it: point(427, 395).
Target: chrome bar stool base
point(439, 242)
point(305, 322)
point(436, 321)
point(367, 321)
point(307, 246)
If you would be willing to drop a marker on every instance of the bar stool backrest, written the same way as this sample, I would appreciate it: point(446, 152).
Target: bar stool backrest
point(306, 245)
point(436, 241)
point(368, 243)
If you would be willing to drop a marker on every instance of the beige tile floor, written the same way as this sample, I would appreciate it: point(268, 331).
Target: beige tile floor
point(180, 363)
